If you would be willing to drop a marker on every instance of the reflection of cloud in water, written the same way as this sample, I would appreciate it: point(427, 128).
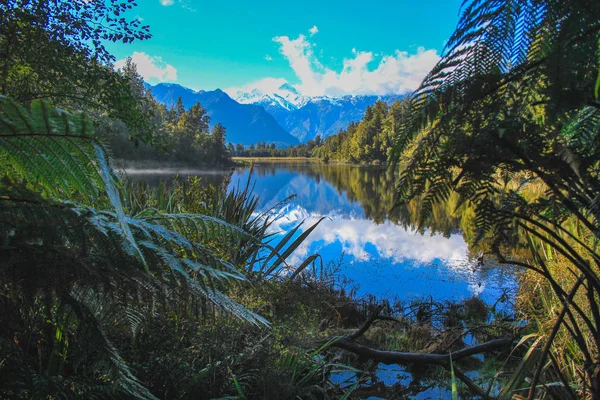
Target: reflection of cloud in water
point(391, 242)
point(388, 257)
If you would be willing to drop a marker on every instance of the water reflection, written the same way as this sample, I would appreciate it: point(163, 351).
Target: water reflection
point(383, 252)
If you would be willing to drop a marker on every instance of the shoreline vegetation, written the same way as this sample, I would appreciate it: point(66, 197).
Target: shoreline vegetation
point(274, 158)
point(266, 159)
point(246, 159)
point(110, 289)
point(368, 141)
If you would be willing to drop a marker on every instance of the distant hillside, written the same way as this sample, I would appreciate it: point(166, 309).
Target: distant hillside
point(245, 123)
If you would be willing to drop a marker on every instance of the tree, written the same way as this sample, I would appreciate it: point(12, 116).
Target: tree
point(179, 108)
point(217, 141)
point(366, 141)
point(198, 120)
point(54, 50)
point(239, 148)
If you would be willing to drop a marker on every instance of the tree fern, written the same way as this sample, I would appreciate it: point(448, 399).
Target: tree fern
point(67, 239)
point(514, 96)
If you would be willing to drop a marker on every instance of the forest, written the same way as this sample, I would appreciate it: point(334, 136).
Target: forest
point(178, 135)
point(113, 289)
point(368, 141)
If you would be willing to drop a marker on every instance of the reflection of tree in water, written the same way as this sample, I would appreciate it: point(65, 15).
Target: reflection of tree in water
point(371, 187)
point(374, 189)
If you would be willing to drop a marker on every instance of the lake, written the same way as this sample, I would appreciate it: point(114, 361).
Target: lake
point(372, 250)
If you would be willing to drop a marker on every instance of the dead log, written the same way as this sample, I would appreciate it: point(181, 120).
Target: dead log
point(348, 343)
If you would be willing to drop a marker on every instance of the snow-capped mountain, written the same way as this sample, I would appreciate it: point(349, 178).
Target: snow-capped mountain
point(282, 116)
point(286, 97)
point(306, 117)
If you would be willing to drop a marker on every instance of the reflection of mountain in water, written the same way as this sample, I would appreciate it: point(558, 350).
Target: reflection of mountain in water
point(314, 194)
point(351, 191)
point(383, 250)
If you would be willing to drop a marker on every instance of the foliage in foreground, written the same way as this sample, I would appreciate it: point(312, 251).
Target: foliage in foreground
point(515, 102)
point(80, 269)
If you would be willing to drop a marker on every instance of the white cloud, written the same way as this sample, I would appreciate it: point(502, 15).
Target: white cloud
point(182, 3)
point(151, 68)
point(265, 85)
point(366, 241)
point(362, 73)
point(268, 58)
point(314, 30)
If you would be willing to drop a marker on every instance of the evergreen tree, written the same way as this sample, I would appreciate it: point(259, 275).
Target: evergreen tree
point(56, 50)
point(179, 108)
point(217, 142)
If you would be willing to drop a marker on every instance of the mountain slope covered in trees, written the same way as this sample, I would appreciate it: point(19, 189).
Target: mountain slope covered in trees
point(368, 141)
point(180, 135)
point(308, 117)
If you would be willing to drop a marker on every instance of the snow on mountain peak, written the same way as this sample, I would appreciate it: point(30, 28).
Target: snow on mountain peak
point(285, 96)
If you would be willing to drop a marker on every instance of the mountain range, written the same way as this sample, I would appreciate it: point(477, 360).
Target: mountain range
point(284, 117)
point(306, 117)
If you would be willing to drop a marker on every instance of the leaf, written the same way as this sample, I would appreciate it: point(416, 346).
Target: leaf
point(348, 392)
point(526, 365)
point(304, 264)
point(292, 247)
point(51, 148)
point(597, 87)
point(115, 199)
point(237, 385)
point(454, 387)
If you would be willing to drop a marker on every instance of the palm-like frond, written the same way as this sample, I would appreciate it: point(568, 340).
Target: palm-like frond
point(51, 148)
point(513, 99)
point(486, 105)
point(67, 239)
point(57, 151)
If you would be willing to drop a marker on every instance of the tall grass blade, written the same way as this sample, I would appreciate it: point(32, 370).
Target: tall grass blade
point(453, 378)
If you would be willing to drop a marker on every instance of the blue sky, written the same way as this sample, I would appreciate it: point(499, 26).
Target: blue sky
point(321, 47)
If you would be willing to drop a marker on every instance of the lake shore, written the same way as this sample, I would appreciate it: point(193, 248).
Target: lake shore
point(246, 160)
point(274, 159)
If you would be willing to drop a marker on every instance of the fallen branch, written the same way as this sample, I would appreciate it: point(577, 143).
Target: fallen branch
point(348, 343)
point(398, 357)
point(366, 325)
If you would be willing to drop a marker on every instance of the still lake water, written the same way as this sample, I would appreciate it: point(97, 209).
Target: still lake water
point(381, 253)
